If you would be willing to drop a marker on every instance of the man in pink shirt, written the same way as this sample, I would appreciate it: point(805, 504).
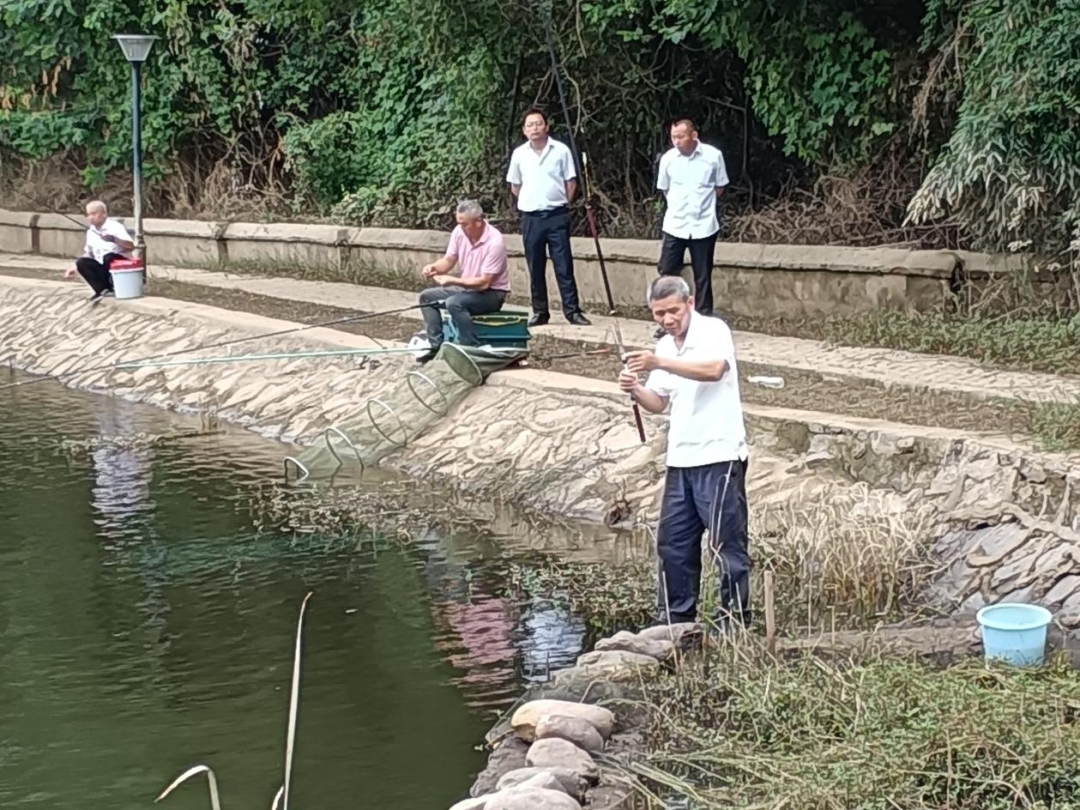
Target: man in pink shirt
point(477, 247)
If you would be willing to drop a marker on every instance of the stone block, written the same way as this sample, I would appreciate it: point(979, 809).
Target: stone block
point(190, 243)
point(16, 231)
point(60, 236)
point(286, 244)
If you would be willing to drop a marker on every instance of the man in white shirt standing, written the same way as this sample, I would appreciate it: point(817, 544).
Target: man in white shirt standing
point(543, 179)
point(692, 176)
point(693, 370)
point(106, 240)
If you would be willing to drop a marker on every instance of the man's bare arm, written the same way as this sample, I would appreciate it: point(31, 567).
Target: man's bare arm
point(515, 189)
point(478, 283)
point(642, 362)
point(700, 371)
point(648, 399)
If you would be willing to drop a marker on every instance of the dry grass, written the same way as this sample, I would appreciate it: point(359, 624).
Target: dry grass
point(849, 558)
point(845, 559)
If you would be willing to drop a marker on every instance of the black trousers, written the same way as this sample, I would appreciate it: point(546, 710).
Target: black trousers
point(543, 233)
point(702, 254)
point(96, 273)
point(461, 304)
point(710, 497)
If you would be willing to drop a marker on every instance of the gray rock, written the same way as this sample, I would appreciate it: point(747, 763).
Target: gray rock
point(528, 715)
point(545, 780)
point(660, 649)
point(479, 803)
point(617, 660)
point(1062, 590)
point(530, 798)
point(569, 782)
point(556, 753)
point(574, 686)
point(572, 729)
point(685, 635)
point(992, 545)
point(508, 755)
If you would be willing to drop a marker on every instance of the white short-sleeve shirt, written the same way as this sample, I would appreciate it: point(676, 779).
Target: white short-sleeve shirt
point(542, 175)
point(98, 248)
point(706, 417)
point(690, 183)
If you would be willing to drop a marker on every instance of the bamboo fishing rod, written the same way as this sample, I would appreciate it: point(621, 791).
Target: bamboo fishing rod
point(221, 344)
point(582, 167)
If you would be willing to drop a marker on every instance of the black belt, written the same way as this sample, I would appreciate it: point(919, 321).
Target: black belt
point(550, 212)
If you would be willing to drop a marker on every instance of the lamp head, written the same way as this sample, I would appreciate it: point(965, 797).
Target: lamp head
point(136, 47)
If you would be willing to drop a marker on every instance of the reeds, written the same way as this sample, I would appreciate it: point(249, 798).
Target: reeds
point(282, 795)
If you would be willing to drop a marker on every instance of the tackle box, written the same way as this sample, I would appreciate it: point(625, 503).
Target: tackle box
point(507, 328)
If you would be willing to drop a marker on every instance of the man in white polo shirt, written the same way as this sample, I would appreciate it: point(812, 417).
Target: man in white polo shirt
point(477, 247)
point(692, 176)
point(693, 370)
point(106, 240)
point(543, 178)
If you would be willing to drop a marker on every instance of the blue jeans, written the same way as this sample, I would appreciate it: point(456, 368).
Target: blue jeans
point(711, 497)
point(544, 232)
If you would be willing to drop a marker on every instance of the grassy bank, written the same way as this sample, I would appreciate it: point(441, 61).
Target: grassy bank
point(1035, 343)
point(732, 728)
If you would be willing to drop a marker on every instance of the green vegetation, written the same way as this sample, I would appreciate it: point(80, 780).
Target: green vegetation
point(735, 729)
point(1036, 343)
point(834, 115)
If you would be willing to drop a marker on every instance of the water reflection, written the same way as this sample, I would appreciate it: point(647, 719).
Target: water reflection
point(146, 623)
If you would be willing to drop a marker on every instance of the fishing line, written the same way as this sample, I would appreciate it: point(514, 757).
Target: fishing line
point(87, 369)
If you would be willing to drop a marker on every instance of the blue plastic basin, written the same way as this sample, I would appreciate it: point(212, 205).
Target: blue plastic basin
point(1014, 633)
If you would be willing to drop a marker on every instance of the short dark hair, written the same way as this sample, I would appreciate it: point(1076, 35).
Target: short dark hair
point(687, 121)
point(533, 111)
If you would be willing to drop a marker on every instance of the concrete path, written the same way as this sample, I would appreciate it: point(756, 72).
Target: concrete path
point(886, 366)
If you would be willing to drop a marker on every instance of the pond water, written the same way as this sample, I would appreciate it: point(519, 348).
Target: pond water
point(146, 625)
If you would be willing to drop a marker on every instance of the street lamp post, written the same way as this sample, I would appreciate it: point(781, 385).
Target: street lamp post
point(136, 48)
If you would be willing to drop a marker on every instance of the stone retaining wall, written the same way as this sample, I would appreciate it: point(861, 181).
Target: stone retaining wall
point(561, 444)
point(754, 280)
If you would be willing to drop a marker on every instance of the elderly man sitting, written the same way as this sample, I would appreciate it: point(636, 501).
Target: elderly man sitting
point(106, 240)
point(481, 288)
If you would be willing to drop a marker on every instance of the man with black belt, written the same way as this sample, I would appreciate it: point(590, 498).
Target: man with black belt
point(692, 176)
point(106, 240)
point(693, 370)
point(543, 179)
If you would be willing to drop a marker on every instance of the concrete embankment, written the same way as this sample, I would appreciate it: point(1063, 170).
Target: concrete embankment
point(1007, 518)
point(761, 281)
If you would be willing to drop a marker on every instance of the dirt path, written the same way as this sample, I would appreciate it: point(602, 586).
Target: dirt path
point(804, 390)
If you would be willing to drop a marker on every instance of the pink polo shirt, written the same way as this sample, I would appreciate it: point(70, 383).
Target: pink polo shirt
point(486, 258)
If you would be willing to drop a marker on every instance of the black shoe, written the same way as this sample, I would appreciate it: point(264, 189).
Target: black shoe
point(427, 356)
point(539, 319)
point(579, 319)
point(660, 333)
point(96, 297)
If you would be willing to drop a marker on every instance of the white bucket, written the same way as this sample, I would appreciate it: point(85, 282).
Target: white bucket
point(127, 282)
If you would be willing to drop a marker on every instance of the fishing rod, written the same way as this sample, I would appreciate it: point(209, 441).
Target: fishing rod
point(247, 358)
point(349, 319)
point(581, 164)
